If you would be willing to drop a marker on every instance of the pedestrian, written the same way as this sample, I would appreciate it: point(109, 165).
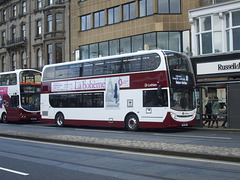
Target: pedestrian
point(215, 111)
point(208, 112)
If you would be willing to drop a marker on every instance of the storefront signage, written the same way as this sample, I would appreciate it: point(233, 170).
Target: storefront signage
point(218, 67)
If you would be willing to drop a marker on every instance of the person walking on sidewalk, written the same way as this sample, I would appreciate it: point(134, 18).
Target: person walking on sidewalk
point(208, 112)
point(215, 111)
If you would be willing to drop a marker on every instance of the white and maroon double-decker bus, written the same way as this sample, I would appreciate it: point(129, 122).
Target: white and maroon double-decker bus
point(146, 89)
point(20, 95)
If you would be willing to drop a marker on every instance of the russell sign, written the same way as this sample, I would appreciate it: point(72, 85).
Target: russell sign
point(218, 67)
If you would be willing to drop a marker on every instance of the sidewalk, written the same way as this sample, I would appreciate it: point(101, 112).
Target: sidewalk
point(186, 150)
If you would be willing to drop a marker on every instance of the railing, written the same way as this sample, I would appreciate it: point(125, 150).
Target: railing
point(16, 40)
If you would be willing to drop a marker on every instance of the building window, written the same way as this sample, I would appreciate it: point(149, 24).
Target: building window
point(113, 15)
point(169, 6)
point(93, 50)
point(39, 58)
point(125, 45)
point(129, 11)
point(23, 30)
point(24, 7)
point(137, 43)
point(4, 15)
point(3, 38)
point(99, 19)
point(13, 33)
point(39, 4)
point(145, 7)
point(209, 34)
point(114, 47)
point(49, 23)
point(85, 22)
point(59, 21)
point(24, 60)
point(204, 35)
point(49, 2)
point(150, 41)
point(49, 54)
point(14, 62)
point(84, 52)
point(103, 49)
point(39, 28)
point(14, 11)
point(233, 31)
point(162, 40)
point(59, 53)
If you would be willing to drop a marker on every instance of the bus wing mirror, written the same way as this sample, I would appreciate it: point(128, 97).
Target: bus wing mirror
point(159, 91)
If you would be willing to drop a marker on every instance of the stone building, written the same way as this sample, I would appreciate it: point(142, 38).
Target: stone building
point(33, 33)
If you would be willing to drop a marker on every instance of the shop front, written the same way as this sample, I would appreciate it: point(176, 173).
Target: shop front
point(218, 90)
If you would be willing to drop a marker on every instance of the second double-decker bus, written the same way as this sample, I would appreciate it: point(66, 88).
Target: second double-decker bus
point(146, 89)
point(20, 95)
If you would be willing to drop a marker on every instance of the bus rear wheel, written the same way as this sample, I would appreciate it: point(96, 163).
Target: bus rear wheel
point(59, 120)
point(4, 118)
point(132, 122)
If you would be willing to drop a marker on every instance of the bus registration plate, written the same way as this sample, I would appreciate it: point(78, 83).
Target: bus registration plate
point(185, 124)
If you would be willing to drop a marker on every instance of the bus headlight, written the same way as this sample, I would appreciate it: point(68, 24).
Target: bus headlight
point(174, 116)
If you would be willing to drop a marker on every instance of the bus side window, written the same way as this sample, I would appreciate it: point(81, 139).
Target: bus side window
point(151, 98)
point(87, 69)
point(98, 68)
point(150, 62)
point(108, 68)
point(13, 79)
point(74, 71)
point(14, 101)
point(49, 73)
point(61, 72)
point(117, 66)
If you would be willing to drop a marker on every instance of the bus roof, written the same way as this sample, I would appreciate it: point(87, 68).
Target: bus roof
point(19, 70)
point(142, 52)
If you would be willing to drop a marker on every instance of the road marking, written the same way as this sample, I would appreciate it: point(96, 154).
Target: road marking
point(13, 171)
point(203, 137)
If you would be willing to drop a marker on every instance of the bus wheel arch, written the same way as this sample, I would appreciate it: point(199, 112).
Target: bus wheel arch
point(4, 117)
point(131, 122)
point(59, 119)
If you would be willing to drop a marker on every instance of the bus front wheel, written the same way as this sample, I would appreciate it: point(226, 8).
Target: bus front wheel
point(59, 120)
point(132, 122)
point(4, 118)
